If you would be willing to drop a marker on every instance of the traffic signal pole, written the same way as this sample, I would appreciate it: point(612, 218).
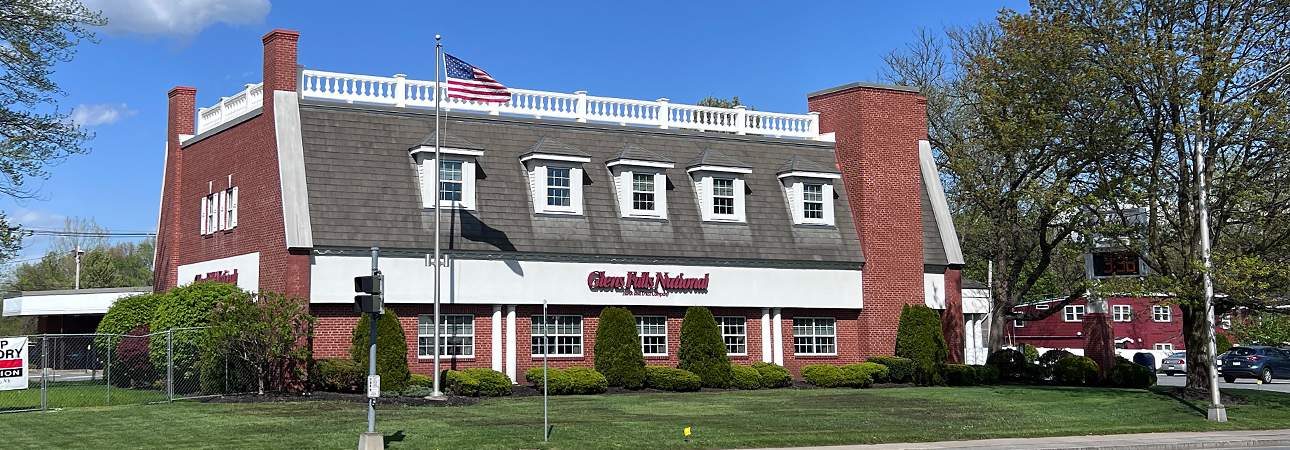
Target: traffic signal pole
point(372, 304)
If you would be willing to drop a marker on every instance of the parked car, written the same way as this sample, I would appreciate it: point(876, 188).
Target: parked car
point(1174, 364)
point(1258, 362)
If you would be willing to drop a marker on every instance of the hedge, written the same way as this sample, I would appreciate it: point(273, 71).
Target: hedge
point(185, 307)
point(618, 349)
point(987, 374)
point(478, 382)
point(1076, 370)
point(129, 313)
point(822, 375)
point(772, 375)
point(1011, 364)
point(131, 366)
point(900, 370)
point(336, 375)
point(744, 377)
point(391, 349)
point(419, 380)
point(703, 350)
point(960, 375)
point(871, 371)
point(1131, 375)
point(669, 379)
point(1051, 357)
point(919, 338)
point(574, 380)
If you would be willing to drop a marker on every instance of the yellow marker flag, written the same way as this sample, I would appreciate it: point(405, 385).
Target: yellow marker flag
point(687, 431)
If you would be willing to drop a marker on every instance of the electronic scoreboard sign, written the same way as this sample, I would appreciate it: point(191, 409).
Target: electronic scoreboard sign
point(1116, 264)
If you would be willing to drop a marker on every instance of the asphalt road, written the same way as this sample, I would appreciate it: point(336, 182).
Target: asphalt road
point(1276, 386)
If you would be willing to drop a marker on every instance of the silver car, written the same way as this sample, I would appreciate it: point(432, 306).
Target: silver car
point(1174, 364)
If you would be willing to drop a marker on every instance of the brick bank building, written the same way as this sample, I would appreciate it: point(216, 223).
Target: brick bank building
point(803, 233)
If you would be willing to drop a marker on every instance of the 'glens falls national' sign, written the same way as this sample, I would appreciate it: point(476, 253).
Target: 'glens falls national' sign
point(642, 283)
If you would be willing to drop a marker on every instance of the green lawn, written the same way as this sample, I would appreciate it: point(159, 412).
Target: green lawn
point(718, 419)
point(76, 394)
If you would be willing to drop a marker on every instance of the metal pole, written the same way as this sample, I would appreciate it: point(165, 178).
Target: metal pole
point(373, 317)
point(170, 365)
point(546, 382)
point(44, 373)
point(438, 93)
point(107, 371)
point(1217, 412)
point(78, 266)
point(226, 390)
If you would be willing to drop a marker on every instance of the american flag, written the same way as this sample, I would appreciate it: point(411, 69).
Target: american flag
point(468, 82)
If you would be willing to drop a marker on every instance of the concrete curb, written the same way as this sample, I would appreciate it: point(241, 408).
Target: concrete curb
point(1140, 441)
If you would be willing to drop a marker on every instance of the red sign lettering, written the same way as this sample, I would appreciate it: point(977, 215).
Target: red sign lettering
point(642, 283)
point(219, 277)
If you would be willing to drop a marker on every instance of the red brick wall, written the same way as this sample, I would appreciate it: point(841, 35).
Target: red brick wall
point(1054, 332)
point(877, 133)
point(247, 152)
point(952, 317)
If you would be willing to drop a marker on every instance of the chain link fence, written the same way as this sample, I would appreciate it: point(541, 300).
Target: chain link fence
point(76, 370)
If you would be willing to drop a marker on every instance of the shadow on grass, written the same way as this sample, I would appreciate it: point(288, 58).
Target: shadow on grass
point(398, 436)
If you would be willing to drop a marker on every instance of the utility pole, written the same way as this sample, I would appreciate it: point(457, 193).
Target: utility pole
point(79, 253)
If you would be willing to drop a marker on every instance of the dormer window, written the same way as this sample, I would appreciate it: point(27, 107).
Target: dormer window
point(456, 186)
point(641, 180)
point(555, 176)
point(719, 183)
point(808, 186)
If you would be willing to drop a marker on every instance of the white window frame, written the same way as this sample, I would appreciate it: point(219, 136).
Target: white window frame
point(794, 190)
point(1162, 313)
point(654, 337)
point(1167, 346)
point(1073, 313)
point(1226, 322)
point(704, 178)
point(624, 176)
point(1121, 313)
point(430, 189)
point(1041, 306)
point(448, 331)
point(1018, 323)
point(219, 211)
point(728, 324)
point(537, 165)
point(536, 328)
point(815, 340)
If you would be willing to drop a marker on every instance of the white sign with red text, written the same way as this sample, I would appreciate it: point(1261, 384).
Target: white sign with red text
point(13, 363)
point(241, 270)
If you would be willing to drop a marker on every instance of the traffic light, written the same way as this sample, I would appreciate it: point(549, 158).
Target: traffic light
point(372, 284)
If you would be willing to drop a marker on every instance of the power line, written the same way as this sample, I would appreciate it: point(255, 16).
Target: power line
point(37, 232)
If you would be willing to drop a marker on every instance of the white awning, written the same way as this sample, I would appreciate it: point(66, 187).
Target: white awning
point(66, 302)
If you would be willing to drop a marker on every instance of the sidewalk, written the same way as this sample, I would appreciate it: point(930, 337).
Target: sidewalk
point(1142, 441)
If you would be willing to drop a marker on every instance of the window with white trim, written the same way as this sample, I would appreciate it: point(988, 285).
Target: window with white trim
point(642, 192)
point(734, 332)
point(456, 186)
point(1041, 306)
point(558, 190)
point(1121, 313)
point(815, 336)
point(219, 211)
point(456, 335)
point(1073, 313)
point(653, 333)
point(1226, 322)
point(723, 197)
point(450, 181)
point(556, 183)
point(1161, 313)
point(811, 200)
point(564, 331)
point(1164, 346)
point(1019, 323)
point(720, 192)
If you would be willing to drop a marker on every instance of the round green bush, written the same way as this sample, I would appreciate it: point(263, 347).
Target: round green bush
point(1222, 343)
point(744, 377)
point(128, 313)
point(1076, 370)
point(419, 380)
point(919, 338)
point(900, 370)
point(772, 375)
point(477, 382)
point(391, 349)
point(703, 350)
point(585, 380)
point(560, 382)
point(1011, 364)
point(1031, 353)
point(961, 375)
point(618, 349)
point(336, 375)
point(186, 307)
point(669, 379)
point(857, 375)
point(1052, 356)
point(1130, 375)
point(987, 374)
point(822, 375)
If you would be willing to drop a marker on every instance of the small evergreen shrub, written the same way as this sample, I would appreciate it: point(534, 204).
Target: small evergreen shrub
point(1011, 364)
point(772, 375)
point(703, 350)
point(874, 371)
point(822, 375)
point(857, 375)
point(900, 370)
point(961, 375)
point(477, 382)
point(1221, 341)
point(585, 380)
point(559, 381)
point(618, 349)
point(1031, 353)
point(744, 377)
point(669, 379)
point(987, 374)
point(1076, 370)
point(186, 307)
point(1131, 375)
point(391, 349)
point(919, 338)
point(336, 375)
point(1052, 356)
point(419, 380)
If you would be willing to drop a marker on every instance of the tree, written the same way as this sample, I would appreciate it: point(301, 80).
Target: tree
point(618, 349)
point(919, 338)
point(1262, 328)
point(104, 265)
point(391, 349)
point(266, 334)
point(703, 351)
point(716, 102)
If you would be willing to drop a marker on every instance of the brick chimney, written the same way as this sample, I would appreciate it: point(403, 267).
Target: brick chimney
point(877, 129)
point(180, 120)
point(280, 73)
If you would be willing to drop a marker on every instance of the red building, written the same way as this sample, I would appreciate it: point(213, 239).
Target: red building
point(1137, 324)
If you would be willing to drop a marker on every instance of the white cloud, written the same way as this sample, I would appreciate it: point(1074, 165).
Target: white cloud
point(100, 114)
point(183, 18)
point(36, 218)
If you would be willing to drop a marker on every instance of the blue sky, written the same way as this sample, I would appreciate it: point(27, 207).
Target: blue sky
point(770, 54)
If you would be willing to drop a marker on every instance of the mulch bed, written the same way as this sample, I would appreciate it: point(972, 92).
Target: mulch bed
point(452, 400)
point(1203, 394)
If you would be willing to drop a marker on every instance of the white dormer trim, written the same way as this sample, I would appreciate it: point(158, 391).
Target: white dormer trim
point(703, 188)
point(447, 151)
point(537, 165)
point(623, 183)
point(740, 170)
point(802, 174)
point(551, 157)
point(794, 192)
point(426, 165)
point(640, 163)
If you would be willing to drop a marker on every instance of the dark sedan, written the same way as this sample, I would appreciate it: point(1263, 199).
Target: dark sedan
point(1258, 362)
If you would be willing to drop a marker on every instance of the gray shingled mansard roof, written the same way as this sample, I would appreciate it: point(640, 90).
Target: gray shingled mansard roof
point(449, 141)
point(363, 190)
point(548, 146)
point(933, 247)
point(710, 157)
point(635, 152)
point(800, 163)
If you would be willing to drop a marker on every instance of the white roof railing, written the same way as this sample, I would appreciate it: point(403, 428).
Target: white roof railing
point(399, 91)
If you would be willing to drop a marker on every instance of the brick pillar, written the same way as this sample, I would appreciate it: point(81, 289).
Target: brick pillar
point(952, 318)
point(279, 64)
point(1098, 341)
point(180, 120)
point(877, 129)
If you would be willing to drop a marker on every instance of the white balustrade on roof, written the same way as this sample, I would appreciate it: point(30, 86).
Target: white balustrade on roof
point(401, 92)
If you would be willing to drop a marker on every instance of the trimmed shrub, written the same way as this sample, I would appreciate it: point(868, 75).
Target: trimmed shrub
point(900, 370)
point(336, 375)
point(857, 375)
point(1052, 356)
point(559, 381)
point(478, 382)
point(961, 375)
point(703, 351)
point(874, 371)
point(1075, 370)
point(987, 374)
point(618, 349)
point(744, 377)
point(419, 380)
point(1131, 375)
point(391, 349)
point(585, 380)
point(919, 338)
point(772, 375)
point(1031, 353)
point(822, 375)
point(129, 313)
point(1221, 341)
point(1011, 364)
point(669, 379)
point(186, 307)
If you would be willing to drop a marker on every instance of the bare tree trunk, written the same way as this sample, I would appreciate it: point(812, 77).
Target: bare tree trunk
point(1194, 339)
point(998, 326)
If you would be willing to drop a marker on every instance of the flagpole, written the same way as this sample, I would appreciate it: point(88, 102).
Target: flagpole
point(438, 94)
